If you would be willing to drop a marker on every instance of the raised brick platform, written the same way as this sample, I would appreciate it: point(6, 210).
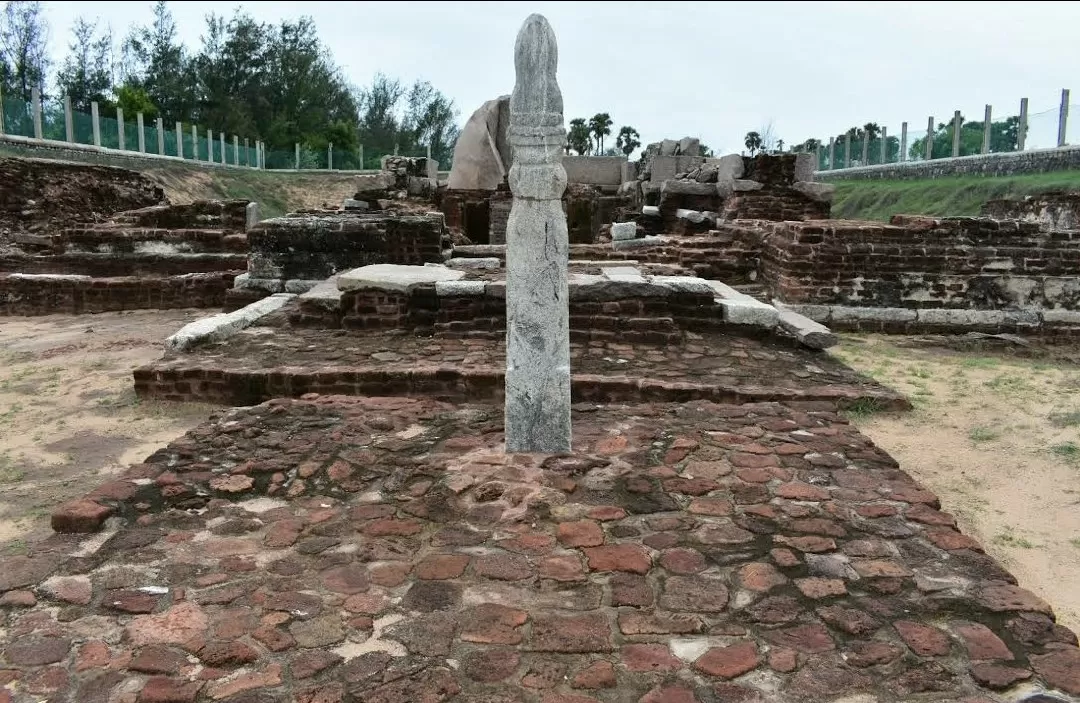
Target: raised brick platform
point(45, 294)
point(331, 550)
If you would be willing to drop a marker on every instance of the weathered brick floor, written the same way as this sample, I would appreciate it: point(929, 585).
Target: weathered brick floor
point(384, 550)
point(264, 362)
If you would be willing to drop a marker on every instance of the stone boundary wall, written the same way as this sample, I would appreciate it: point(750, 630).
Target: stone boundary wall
point(1008, 164)
point(1053, 210)
point(595, 170)
point(25, 295)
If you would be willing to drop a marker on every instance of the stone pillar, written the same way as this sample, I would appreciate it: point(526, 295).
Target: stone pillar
point(221, 142)
point(1063, 116)
point(180, 140)
point(210, 146)
point(847, 150)
point(330, 156)
point(987, 119)
point(96, 120)
point(819, 153)
point(865, 149)
point(956, 120)
point(884, 145)
point(35, 109)
point(120, 139)
point(832, 153)
point(69, 120)
point(537, 249)
point(361, 157)
point(195, 142)
point(1, 111)
point(142, 132)
point(247, 152)
point(929, 146)
point(296, 155)
point(903, 141)
point(1022, 129)
point(429, 151)
point(161, 136)
point(235, 150)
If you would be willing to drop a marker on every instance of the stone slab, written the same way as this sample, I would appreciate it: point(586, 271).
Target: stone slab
point(325, 294)
point(395, 277)
point(486, 262)
point(594, 170)
point(742, 185)
point(636, 243)
point(650, 210)
point(742, 309)
point(683, 284)
point(221, 326)
point(460, 288)
point(687, 188)
point(624, 230)
point(809, 333)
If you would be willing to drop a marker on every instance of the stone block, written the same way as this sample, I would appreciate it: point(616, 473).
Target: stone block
point(740, 185)
point(663, 168)
point(809, 333)
point(486, 262)
point(742, 309)
point(300, 285)
point(668, 147)
point(618, 245)
point(684, 284)
point(650, 211)
point(695, 216)
point(821, 192)
point(805, 165)
point(374, 182)
point(324, 295)
point(629, 171)
point(689, 146)
point(353, 205)
point(728, 168)
point(594, 170)
point(624, 230)
point(221, 326)
point(481, 158)
point(1071, 317)
point(687, 188)
point(251, 215)
point(842, 313)
point(395, 277)
point(460, 288)
point(605, 290)
point(961, 318)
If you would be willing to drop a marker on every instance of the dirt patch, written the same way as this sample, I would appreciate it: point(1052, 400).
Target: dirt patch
point(68, 414)
point(996, 434)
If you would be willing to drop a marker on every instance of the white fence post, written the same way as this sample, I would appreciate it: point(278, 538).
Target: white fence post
point(35, 107)
point(832, 153)
point(330, 156)
point(161, 136)
point(956, 119)
point(986, 129)
point(121, 141)
point(884, 145)
point(95, 118)
point(180, 140)
point(296, 155)
point(1021, 135)
point(142, 132)
point(1063, 116)
point(847, 150)
point(929, 138)
point(69, 120)
point(235, 150)
point(903, 141)
point(195, 142)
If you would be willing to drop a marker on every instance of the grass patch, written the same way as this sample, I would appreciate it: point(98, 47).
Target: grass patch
point(1069, 419)
point(1007, 539)
point(862, 408)
point(1075, 541)
point(1068, 450)
point(959, 195)
point(980, 362)
point(982, 434)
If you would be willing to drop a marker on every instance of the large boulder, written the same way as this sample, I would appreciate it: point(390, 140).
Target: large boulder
point(482, 153)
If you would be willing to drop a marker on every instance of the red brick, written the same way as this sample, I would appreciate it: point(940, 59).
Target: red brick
point(571, 634)
point(728, 662)
point(159, 689)
point(996, 676)
point(801, 491)
point(503, 567)
point(874, 510)
point(683, 561)
point(810, 543)
point(784, 557)
point(924, 640)
point(872, 653)
point(607, 512)
point(814, 587)
point(951, 540)
point(811, 638)
point(649, 657)
point(670, 693)
point(783, 660)
point(638, 622)
point(80, 516)
point(532, 543)
point(694, 594)
point(599, 674)
point(387, 527)
point(439, 567)
point(1060, 668)
point(619, 557)
point(562, 568)
point(582, 533)
point(491, 665)
point(927, 515)
point(630, 589)
point(760, 577)
point(492, 624)
point(981, 642)
point(719, 507)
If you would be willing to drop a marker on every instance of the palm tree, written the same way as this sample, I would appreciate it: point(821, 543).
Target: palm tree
point(578, 136)
point(752, 142)
point(872, 130)
point(600, 126)
point(628, 140)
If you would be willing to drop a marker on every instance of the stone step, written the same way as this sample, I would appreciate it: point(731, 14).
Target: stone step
point(46, 294)
point(741, 309)
point(146, 240)
point(809, 333)
point(115, 264)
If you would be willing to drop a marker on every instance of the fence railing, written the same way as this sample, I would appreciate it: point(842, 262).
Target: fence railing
point(59, 124)
point(958, 137)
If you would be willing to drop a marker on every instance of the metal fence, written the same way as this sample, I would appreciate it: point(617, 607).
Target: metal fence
point(56, 123)
point(959, 135)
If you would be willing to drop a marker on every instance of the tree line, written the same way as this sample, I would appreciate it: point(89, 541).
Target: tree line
point(586, 137)
point(275, 83)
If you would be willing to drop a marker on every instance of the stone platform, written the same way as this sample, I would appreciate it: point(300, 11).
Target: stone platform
point(333, 549)
point(267, 361)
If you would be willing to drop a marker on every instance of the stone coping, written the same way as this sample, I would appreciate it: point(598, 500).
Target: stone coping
point(386, 549)
point(957, 319)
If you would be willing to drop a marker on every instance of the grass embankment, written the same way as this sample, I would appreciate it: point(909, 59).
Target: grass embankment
point(958, 196)
point(276, 192)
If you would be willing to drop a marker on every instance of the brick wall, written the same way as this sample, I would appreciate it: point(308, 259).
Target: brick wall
point(40, 194)
point(776, 203)
point(920, 262)
point(229, 215)
point(314, 247)
point(102, 265)
point(1052, 210)
point(41, 296)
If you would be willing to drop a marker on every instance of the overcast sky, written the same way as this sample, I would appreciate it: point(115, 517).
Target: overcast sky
point(709, 69)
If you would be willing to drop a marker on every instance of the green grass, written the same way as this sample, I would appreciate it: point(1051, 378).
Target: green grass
point(1068, 419)
point(958, 196)
point(982, 434)
point(1010, 540)
point(863, 408)
point(1068, 450)
point(1075, 541)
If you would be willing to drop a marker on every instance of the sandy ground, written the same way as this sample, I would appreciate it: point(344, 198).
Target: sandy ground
point(68, 415)
point(997, 437)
